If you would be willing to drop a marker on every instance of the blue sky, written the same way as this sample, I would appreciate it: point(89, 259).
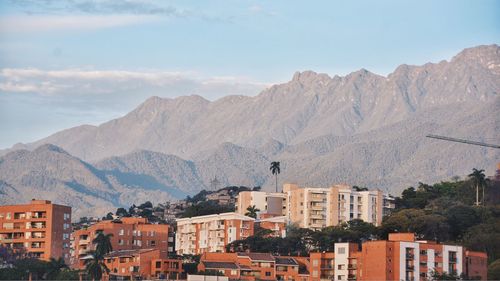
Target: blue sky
point(66, 63)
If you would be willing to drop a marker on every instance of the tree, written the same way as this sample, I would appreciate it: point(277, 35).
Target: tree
point(494, 270)
point(103, 244)
point(478, 177)
point(95, 266)
point(54, 267)
point(252, 211)
point(275, 170)
point(121, 212)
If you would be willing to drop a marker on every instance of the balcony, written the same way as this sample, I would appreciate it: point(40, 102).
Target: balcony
point(318, 207)
point(82, 251)
point(84, 242)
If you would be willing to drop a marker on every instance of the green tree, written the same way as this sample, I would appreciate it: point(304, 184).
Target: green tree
point(103, 244)
point(121, 212)
point(95, 266)
point(54, 267)
point(494, 270)
point(479, 179)
point(252, 211)
point(275, 170)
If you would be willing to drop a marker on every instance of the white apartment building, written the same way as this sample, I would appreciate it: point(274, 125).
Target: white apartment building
point(211, 233)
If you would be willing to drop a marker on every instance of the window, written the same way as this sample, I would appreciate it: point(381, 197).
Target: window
point(120, 242)
point(315, 262)
point(315, 273)
point(234, 272)
point(158, 264)
point(423, 252)
point(341, 250)
point(153, 243)
point(122, 232)
point(268, 273)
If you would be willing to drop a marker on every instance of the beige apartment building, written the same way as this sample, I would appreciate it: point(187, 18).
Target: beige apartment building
point(271, 203)
point(211, 233)
point(40, 228)
point(316, 208)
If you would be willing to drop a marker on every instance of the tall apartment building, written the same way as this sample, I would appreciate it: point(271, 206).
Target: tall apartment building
point(317, 208)
point(211, 233)
point(128, 234)
point(41, 228)
point(267, 202)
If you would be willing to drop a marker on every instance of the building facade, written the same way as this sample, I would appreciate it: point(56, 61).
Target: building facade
point(128, 234)
point(317, 208)
point(144, 264)
point(401, 257)
point(267, 202)
point(255, 266)
point(40, 228)
point(211, 233)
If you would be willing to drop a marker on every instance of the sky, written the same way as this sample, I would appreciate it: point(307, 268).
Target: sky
point(73, 62)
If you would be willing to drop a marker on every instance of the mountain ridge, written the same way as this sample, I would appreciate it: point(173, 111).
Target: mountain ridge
point(362, 129)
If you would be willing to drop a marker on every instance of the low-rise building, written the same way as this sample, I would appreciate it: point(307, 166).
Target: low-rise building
point(275, 224)
point(211, 233)
point(128, 234)
point(141, 264)
point(401, 257)
point(40, 228)
point(254, 266)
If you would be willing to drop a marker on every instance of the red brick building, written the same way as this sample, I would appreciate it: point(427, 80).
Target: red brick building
point(40, 228)
point(141, 264)
point(128, 234)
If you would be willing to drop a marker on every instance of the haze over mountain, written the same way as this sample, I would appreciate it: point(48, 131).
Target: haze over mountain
point(363, 129)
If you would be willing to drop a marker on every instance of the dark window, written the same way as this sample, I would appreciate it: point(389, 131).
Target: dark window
point(268, 273)
point(158, 264)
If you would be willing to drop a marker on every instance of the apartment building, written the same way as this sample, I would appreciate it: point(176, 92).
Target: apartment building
point(128, 234)
point(316, 208)
point(255, 266)
point(276, 224)
point(401, 257)
point(40, 228)
point(211, 233)
point(143, 264)
point(267, 202)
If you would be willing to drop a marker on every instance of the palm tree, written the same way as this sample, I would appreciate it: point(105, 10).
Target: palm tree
point(252, 211)
point(54, 267)
point(478, 177)
point(103, 244)
point(95, 266)
point(275, 169)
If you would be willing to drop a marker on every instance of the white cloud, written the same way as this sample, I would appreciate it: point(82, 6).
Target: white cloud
point(43, 23)
point(119, 83)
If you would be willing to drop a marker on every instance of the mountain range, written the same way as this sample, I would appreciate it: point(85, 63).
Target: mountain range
point(362, 129)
